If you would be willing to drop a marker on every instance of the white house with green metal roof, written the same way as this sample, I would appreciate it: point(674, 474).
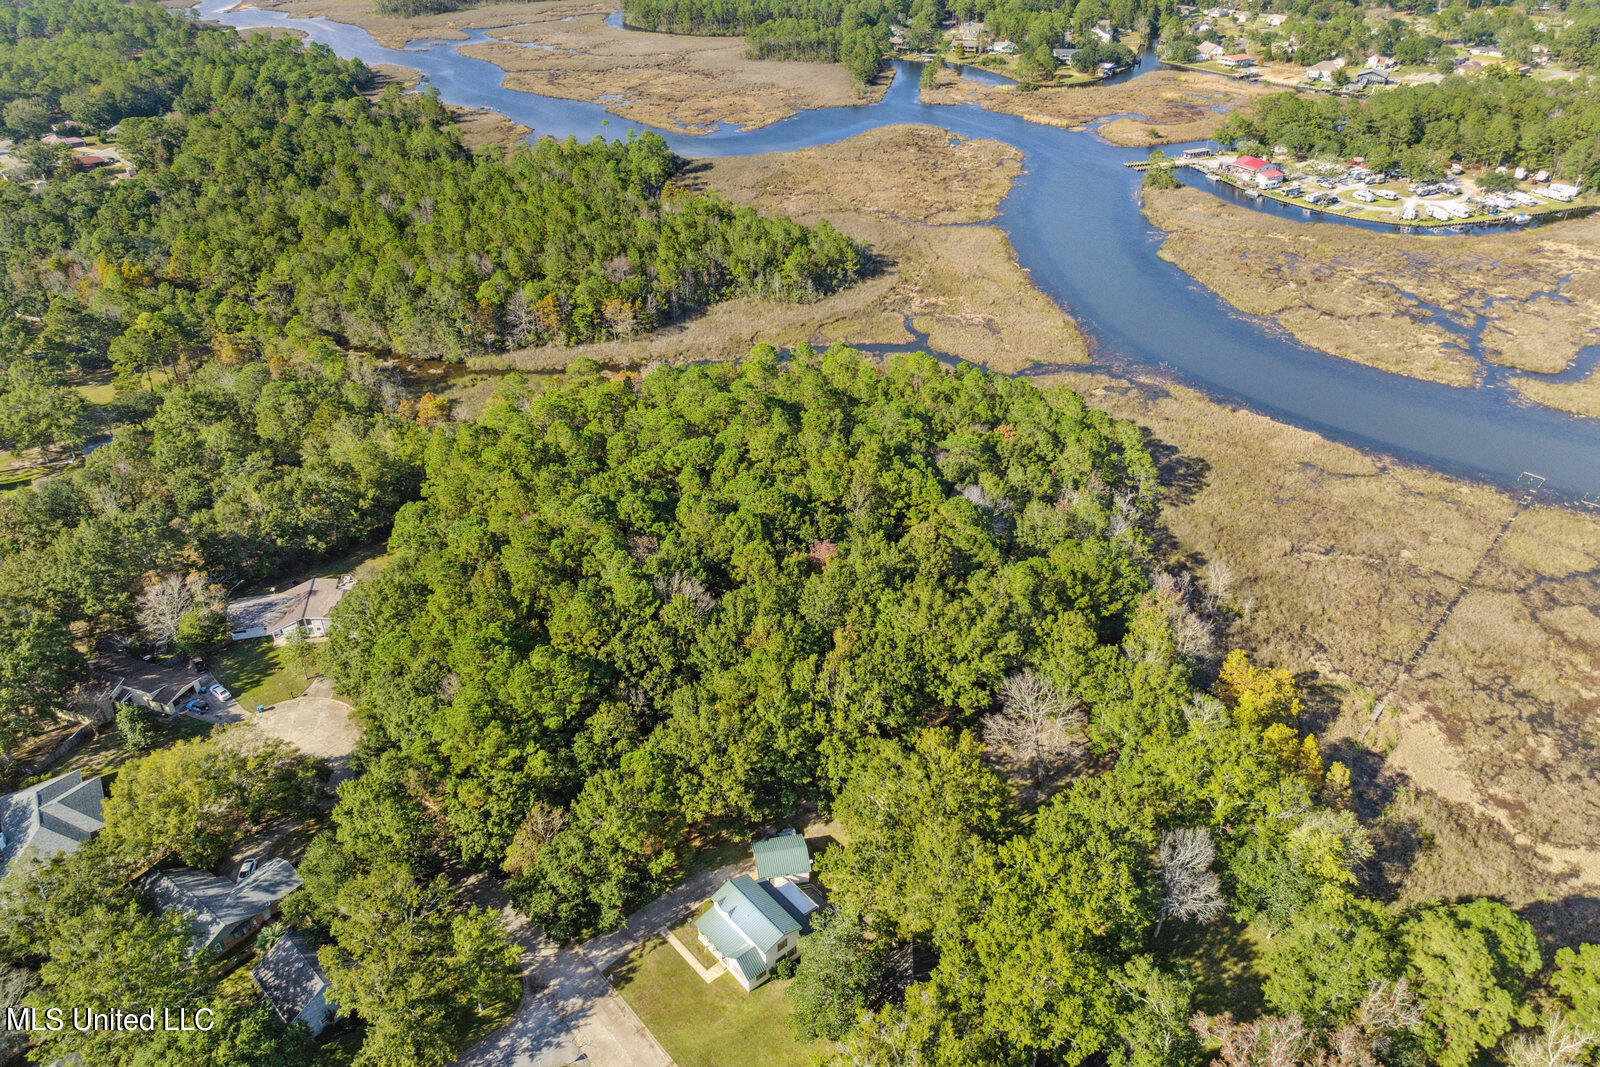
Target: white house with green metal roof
point(749, 927)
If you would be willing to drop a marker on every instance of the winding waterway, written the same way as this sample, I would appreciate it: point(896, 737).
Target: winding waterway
point(1073, 219)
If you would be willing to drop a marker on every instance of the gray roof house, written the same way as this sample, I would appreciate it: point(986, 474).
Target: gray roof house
point(783, 857)
point(749, 927)
point(51, 817)
point(294, 985)
point(223, 914)
point(306, 606)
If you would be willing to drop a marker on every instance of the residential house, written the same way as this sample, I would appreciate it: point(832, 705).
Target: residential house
point(152, 683)
point(1064, 55)
point(970, 37)
point(1370, 79)
point(1209, 50)
point(750, 927)
point(293, 985)
point(305, 607)
point(1274, 20)
point(49, 818)
point(64, 142)
point(1323, 72)
point(1380, 62)
point(1104, 31)
point(1254, 170)
point(1239, 59)
point(222, 914)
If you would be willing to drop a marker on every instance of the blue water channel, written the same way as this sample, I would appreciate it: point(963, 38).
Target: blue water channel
point(1073, 219)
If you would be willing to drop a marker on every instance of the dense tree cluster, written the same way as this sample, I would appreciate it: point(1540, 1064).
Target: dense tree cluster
point(278, 222)
point(686, 602)
point(277, 193)
point(1552, 125)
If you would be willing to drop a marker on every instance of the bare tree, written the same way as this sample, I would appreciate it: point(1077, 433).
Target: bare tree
point(1190, 888)
point(1387, 1009)
point(1204, 709)
point(701, 600)
point(1558, 1043)
point(165, 602)
point(1270, 1042)
point(1037, 726)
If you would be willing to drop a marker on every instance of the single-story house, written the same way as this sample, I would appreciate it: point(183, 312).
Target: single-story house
point(221, 913)
point(64, 142)
point(49, 818)
point(785, 856)
point(750, 927)
point(1377, 62)
point(1274, 19)
point(1064, 55)
point(153, 683)
point(293, 984)
point(1208, 50)
point(1239, 59)
point(1254, 169)
point(89, 161)
point(1323, 72)
point(305, 607)
point(1368, 79)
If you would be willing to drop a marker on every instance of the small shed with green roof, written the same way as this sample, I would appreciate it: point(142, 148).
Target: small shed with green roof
point(783, 857)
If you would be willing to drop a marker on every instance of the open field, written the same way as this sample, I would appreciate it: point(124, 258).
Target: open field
point(699, 1023)
point(564, 49)
point(1178, 105)
point(1404, 303)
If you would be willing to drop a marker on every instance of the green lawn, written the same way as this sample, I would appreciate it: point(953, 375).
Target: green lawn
point(258, 672)
point(698, 1023)
point(106, 752)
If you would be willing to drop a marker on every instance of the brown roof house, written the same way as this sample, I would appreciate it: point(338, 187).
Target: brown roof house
point(305, 607)
point(294, 985)
point(153, 683)
point(222, 914)
point(49, 818)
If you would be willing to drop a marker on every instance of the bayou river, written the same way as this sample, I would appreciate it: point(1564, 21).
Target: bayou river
point(1073, 219)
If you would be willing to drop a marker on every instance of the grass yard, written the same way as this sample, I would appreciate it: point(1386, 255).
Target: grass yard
point(105, 753)
point(258, 672)
point(698, 1023)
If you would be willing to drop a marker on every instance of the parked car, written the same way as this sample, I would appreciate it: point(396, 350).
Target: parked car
point(198, 665)
point(245, 870)
point(221, 693)
point(197, 704)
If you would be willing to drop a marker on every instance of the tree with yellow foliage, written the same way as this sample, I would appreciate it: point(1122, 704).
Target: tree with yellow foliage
point(1258, 696)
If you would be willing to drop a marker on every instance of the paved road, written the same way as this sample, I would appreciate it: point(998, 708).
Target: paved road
point(569, 1014)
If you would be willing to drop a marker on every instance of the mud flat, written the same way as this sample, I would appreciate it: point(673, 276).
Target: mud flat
point(1176, 105)
point(1429, 307)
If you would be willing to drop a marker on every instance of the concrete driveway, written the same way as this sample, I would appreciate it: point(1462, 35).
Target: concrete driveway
point(569, 1012)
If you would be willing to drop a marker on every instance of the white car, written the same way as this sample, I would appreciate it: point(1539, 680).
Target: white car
point(246, 869)
point(221, 693)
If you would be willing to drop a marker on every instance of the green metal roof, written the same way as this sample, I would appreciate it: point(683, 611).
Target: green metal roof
point(750, 965)
point(723, 937)
point(750, 907)
point(782, 857)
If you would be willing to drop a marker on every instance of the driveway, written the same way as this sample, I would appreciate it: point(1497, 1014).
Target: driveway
point(569, 1012)
point(659, 916)
point(316, 724)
